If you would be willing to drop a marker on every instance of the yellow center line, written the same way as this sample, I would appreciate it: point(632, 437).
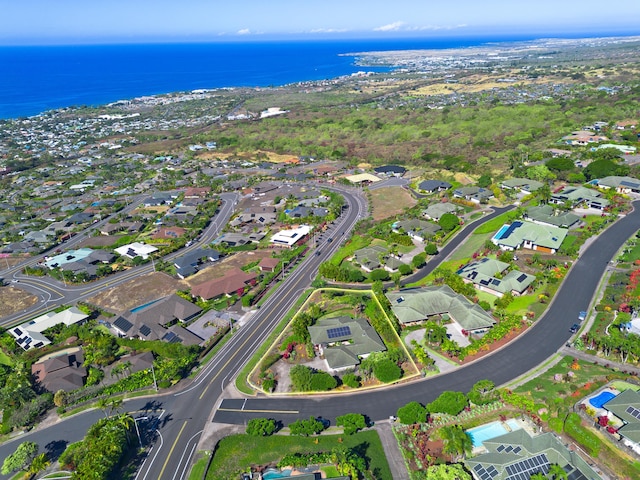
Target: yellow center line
point(172, 449)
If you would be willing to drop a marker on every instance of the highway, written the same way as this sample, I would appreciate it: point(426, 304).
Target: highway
point(174, 421)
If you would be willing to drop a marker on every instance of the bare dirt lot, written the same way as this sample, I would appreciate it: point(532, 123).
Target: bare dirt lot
point(217, 270)
point(137, 292)
point(13, 300)
point(391, 201)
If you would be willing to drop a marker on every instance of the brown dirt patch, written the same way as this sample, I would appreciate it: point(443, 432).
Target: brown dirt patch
point(13, 300)
point(217, 270)
point(391, 201)
point(137, 292)
point(494, 346)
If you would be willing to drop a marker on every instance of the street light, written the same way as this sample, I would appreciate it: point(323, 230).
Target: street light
point(135, 422)
point(155, 383)
point(430, 332)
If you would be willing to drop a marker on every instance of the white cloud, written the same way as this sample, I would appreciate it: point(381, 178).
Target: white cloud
point(244, 31)
point(391, 27)
point(328, 30)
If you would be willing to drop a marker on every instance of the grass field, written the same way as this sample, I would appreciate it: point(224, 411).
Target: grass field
point(387, 202)
point(236, 453)
point(473, 243)
point(494, 224)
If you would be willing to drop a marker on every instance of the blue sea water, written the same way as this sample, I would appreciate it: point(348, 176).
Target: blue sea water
point(38, 78)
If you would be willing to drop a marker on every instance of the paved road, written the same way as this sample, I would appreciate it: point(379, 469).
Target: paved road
point(529, 350)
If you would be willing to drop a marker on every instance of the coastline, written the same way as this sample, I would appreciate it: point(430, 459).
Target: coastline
point(243, 66)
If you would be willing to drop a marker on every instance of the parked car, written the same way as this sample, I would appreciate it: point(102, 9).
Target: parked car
point(574, 328)
point(582, 316)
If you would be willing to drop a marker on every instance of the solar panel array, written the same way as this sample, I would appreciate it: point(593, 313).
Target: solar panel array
point(521, 277)
point(338, 332)
point(523, 469)
point(485, 473)
point(510, 230)
point(633, 411)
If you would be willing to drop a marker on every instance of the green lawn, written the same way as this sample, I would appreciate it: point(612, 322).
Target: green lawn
point(521, 304)
point(632, 255)
point(197, 472)
point(494, 224)
point(471, 245)
point(236, 453)
point(487, 297)
point(4, 359)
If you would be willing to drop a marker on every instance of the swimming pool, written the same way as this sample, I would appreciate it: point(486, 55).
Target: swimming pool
point(601, 398)
point(140, 307)
point(503, 229)
point(272, 474)
point(491, 430)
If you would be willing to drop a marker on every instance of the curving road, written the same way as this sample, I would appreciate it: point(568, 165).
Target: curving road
point(173, 421)
point(528, 351)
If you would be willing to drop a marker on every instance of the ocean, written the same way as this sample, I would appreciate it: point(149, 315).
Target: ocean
point(38, 78)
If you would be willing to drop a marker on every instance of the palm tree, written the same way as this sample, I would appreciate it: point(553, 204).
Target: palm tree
point(457, 442)
point(38, 464)
point(557, 472)
point(538, 476)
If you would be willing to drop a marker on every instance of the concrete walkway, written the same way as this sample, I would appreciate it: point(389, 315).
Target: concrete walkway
point(392, 450)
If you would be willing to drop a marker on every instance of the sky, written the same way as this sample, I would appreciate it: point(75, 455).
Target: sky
point(41, 22)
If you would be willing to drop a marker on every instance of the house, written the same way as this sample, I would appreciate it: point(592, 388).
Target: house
point(390, 170)
point(620, 184)
point(39, 236)
point(169, 233)
point(474, 194)
point(582, 138)
point(435, 211)
point(576, 195)
point(159, 320)
point(268, 264)
point(547, 215)
point(29, 334)
point(523, 185)
point(62, 372)
point(517, 455)
point(418, 230)
point(235, 281)
point(264, 187)
point(344, 341)
point(260, 215)
point(542, 238)
point(232, 239)
point(626, 406)
point(190, 263)
point(488, 275)
point(624, 149)
point(304, 212)
point(370, 258)
point(82, 256)
point(136, 249)
point(80, 218)
point(197, 192)
point(432, 186)
point(362, 178)
point(415, 305)
point(290, 238)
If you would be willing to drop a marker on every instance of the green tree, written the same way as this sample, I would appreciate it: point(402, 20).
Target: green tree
point(387, 370)
point(557, 472)
point(60, 398)
point(431, 249)
point(456, 441)
point(323, 381)
point(351, 422)
point(411, 413)
point(301, 378)
point(39, 463)
point(351, 380)
point(261, 427)
point(379, 274)
point(448, 402)
point(312, 426)
point(20, 459)
point(448, 222)
point(484, 181)
point(419, 261)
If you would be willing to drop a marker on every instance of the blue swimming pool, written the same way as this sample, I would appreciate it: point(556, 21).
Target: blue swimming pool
point(503, 229)
point(491, 430)
point(601, 398)
point(140, 307)
point(272, 474)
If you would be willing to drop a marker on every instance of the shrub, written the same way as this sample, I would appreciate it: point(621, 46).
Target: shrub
point(412, 412)
point(322, 381)
point(573, 427)
point(351, 380)
point(386, 370)
point(261, 427)
point(448, 402)
point(352, 422)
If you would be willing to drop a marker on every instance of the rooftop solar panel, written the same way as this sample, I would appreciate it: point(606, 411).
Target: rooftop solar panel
point(518, 449)
point(145, 330)
point(338, 332)
point(522, 277)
